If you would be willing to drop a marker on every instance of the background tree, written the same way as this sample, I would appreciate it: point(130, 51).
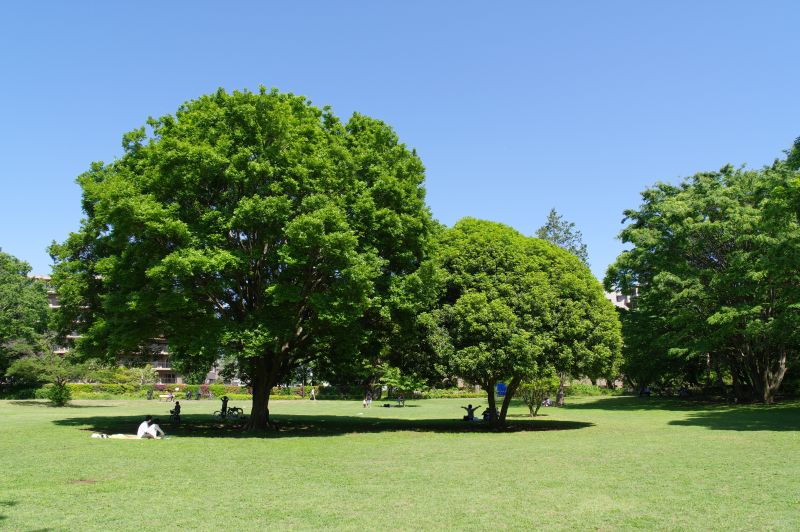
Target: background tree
point(43, 366)
point(562, 233)
point(24, 311)
point(715, 260)
point(535, 390)
point(249, 226)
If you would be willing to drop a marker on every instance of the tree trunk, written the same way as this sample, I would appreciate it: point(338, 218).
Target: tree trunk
point(767, 380)
point(262, 382)
point(490, 390)
point(560, 394)
point(510, 390)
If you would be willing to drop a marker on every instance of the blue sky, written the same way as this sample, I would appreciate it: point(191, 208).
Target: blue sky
point(514, 107)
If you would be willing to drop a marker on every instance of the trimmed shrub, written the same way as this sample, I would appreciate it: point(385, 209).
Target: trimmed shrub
point(59, 394)
point(448, 393)
point(589, 390)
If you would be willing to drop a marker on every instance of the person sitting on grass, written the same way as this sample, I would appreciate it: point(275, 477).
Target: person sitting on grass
point(177, 410)
point(149, 429)
point(470, 412)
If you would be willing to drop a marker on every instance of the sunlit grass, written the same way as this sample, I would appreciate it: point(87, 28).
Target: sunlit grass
point(605, 463)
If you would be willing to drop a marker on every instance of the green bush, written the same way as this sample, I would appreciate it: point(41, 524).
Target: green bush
point(448, 393)
point(59, 394)
point(587, 390)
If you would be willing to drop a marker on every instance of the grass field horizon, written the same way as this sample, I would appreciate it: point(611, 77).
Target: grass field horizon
point(600, 463)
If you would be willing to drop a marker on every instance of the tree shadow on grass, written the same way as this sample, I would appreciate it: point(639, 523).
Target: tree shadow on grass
point(710, 414)
point(777, 418)
point(6, 504)
point(632, 403)
point(205, 426)
point(47, 404)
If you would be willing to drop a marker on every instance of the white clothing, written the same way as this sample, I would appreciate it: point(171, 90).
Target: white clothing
point(154, 430)
point(140, 432)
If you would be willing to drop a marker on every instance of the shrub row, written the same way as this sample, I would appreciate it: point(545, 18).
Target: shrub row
point(241, 393)
point(448, 393)
point(584, 390)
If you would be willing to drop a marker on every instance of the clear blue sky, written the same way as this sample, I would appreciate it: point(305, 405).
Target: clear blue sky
point(514, 107)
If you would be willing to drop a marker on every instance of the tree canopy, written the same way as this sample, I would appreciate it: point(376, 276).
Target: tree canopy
point(512, 307)
point(714, 260)
point(248, 225)
point(23, 311)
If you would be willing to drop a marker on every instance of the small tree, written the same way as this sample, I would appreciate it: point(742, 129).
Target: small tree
point(534, 391)
point(51, 368)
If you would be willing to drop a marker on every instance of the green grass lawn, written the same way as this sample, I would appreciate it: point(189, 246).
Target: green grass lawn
point(599, 463)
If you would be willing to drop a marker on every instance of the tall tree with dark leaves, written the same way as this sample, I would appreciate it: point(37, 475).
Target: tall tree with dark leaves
point(248, 225)
point(564, 234)
point(716, 260)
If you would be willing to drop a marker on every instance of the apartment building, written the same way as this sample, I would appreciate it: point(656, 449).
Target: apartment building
point(155, 353)
point(622, 300)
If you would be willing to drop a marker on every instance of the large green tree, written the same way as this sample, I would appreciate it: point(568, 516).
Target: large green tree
point(716, 263)
point(253, 226)
point(513, 307)
point(23, 311)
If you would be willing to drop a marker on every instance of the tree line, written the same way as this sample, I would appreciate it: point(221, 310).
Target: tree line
point(258, 229)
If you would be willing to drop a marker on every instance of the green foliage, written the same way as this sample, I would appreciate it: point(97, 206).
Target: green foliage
point(398, 381)
point(23, 312)
point(57, 370)
point(59, 394)
point(252, 226)
point(562, 233)
point(512, 306)
point(577, 389)
point(452, 393)
point(715, 260)
point(534, 391)
point(133, 375)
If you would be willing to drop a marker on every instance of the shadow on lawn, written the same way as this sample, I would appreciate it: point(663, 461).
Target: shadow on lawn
point(312, 426)
point(746, 418)
point(712, 415)
point(630, 403)
point(43, 403)
point(6, 504)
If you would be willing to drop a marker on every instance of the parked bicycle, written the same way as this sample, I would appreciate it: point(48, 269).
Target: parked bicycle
point(226, 413)
point(231, 413)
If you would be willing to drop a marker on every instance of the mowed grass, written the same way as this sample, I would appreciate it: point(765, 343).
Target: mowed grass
point(609, 463)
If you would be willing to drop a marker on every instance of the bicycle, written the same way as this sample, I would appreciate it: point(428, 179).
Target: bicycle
point(233, 413)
